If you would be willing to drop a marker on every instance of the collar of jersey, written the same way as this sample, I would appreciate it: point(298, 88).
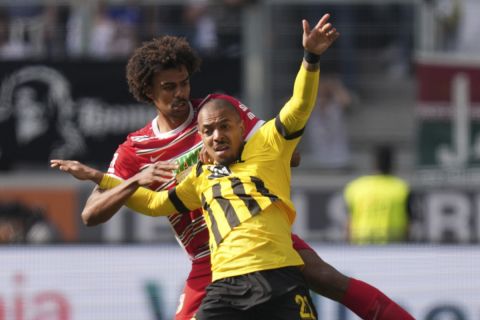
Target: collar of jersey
point(168, 134)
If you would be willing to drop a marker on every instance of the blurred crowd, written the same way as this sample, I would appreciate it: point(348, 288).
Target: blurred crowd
point(107, 30)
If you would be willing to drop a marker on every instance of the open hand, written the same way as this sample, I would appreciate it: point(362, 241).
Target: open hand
point(321, 37)
point(77, 169)
point(204, 157)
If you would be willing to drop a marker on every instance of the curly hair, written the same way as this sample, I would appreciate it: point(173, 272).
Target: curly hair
point(162, 53)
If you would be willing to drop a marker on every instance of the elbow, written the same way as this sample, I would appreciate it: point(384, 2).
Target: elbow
point(88, 219)
point(91, 218)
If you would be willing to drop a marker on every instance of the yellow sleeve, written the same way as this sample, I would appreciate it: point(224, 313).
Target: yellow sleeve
point(154, 203)
point(294, 115)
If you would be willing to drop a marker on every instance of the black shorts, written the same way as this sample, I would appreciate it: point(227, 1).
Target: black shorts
point(280, 294)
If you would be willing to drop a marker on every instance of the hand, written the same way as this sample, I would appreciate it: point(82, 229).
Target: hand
point(320, 38)
point(77, 169)
point(160, 172)
point(204, 157)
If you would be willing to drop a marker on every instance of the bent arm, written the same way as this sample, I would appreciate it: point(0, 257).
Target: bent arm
point(107, 199)
point(100, 207)
point(139, 199)
point(102, 204)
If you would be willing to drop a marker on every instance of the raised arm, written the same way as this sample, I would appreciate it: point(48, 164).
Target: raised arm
point(316, 41)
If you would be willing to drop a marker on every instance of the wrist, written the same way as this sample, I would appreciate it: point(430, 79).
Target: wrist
point(137, 181)
point(311, 58)
point(97, 176)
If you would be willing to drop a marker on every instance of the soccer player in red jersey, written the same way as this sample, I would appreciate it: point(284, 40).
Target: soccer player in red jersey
point(158, 73)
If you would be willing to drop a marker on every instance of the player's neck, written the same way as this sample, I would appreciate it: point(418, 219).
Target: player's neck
point(166, 124)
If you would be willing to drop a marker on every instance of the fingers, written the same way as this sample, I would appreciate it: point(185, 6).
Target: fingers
point(306, 27)
point(333, 34)
point(163, 171)
point(62, 164)
point(203, 156)
point(165, 166)
point(55, 163)
point(323, 20)
point(326, 28)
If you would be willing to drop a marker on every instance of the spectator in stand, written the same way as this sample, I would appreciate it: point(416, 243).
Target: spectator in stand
point(202, 25)
point(327, 130)
point(378, 204)
point(21, 224)
point(114, 32)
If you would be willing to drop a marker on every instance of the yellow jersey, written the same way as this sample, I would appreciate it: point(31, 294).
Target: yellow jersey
point(378, 209)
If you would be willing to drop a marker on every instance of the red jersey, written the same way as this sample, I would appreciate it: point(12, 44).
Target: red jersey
point(182, 145)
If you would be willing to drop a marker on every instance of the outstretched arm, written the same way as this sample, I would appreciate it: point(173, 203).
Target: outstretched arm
point(103, 204)
point(316, 41)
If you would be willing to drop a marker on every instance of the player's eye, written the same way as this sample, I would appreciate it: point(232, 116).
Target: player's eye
point(169, 87)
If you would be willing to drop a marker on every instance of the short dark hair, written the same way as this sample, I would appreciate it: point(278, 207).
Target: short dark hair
point(162, 53)
point(223, 103)
point(384, 155)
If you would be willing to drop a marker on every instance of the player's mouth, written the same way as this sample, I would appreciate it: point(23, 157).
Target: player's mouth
point(180, 105)
point(221, 149)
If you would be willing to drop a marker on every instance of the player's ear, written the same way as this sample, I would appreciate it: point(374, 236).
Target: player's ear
point(149, 93)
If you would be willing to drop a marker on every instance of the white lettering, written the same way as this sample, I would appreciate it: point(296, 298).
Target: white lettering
point(457, 155)
point(448, 216)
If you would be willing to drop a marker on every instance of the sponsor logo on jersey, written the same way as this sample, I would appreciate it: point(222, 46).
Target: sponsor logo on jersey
point(188, 159)
point(218, 171)
point(155, 159)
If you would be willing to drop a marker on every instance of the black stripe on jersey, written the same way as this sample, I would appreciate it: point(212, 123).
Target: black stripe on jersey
point(249, 201)
point(283, 131)
point(199, 169)
point(262, 189)
point(226, 206)
point(177, 203)
point(214, 226)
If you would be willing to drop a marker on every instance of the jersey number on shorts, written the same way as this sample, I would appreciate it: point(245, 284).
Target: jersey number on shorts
point(306, 311)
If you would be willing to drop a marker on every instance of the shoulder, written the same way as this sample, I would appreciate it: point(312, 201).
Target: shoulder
point(401, 183)
point(358, 182)
point(142, 134)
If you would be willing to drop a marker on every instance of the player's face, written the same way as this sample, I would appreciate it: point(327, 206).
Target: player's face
point(221, 130)
point(170, 93)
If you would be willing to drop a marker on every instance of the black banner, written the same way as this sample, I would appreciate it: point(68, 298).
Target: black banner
point(80, 109)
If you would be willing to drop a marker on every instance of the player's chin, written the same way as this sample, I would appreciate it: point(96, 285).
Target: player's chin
point(223, 159)
point(180, 110)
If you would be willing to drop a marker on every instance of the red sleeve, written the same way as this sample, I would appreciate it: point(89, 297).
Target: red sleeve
point(299, 244)
point(124, 163)
point(251, 122)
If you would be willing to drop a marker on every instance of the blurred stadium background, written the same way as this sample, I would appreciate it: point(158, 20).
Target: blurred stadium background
point(411, 67)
